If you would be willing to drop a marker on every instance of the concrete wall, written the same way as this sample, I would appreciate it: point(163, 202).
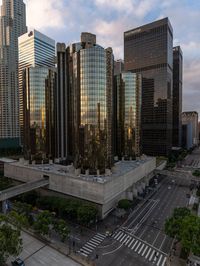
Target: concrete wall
point(106, 194)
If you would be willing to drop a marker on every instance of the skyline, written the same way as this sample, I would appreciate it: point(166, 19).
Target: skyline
point(110, 20)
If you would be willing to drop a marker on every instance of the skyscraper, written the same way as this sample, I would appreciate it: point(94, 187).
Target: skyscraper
point(128, 94)
point(89, 98)
point(192, 118)
point(149, 50)
point(35, 49)
point(177, 95)
point(12, 25)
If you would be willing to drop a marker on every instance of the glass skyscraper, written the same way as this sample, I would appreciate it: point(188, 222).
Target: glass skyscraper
point(177, 95)
point(90, 105)
point(129, 101)
point(39, 89)
point(12, 25)
point(149, 50)
point(35, 49)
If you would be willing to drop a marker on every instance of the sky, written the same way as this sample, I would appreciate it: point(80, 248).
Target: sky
point(64, 20)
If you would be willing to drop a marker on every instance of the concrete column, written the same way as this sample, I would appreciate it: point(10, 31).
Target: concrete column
point(135, 191)
point(143, 185)
point(139, 187)
point(4, 206)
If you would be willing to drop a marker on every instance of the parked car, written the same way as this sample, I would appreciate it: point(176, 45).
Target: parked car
point(18, 262)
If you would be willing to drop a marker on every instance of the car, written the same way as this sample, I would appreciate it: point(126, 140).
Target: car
point(18, 262)
point(169, 187)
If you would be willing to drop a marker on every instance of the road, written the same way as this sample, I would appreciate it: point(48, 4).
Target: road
point(141, 239)
point(37, 253)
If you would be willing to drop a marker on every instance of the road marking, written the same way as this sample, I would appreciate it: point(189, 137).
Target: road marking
point(138, 246)
point(113, 251)
point(89, 244)
point(144, 251)
point(159, 260)
point(151, 256)
point(141, 249)
point(120, 236)
point(127, 240)
point(87, 249)
point(131, 242)
point(164, 261)
point(123, 237)
point(134, 244)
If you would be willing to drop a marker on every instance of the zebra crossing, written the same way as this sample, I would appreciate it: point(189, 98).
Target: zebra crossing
point(150, 253)
point(90, 246)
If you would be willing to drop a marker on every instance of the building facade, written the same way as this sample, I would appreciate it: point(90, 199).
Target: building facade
point(89, 92)
point(149, 50)
point(118, 66)
point(177, 95)
point(12, 25)
point(129, 100)
point(39, 118)
point(35, 49)
point(192, 117)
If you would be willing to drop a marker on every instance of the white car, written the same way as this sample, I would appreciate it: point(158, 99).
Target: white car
point(169, 187)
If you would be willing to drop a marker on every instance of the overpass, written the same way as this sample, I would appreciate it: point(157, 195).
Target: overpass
point(20, 189)
point(178, 173)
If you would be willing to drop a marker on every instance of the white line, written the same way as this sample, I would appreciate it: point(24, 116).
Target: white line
point(94, 241)
point(144, 251)
point(113, 251)
point(141, 249)
point(164, 261)
point(98, 238)
point(90, 250)
point(90, 245)
point(159, 260)
point(153, 252)
point(127, 241)
point(84, 251)
point(119, 236)
point(138, 246)
point(116, 235)
point(134, 244)
point(123, 238)
point(131, 242)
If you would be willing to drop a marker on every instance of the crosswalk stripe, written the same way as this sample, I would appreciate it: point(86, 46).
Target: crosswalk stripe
point(127, 241)
point(94, 241)
point(87, 249)
point(159, 260)
point(99, 237)
point(131, 242)
point(119, 236)
point(164, 261)
point(141, 249)
point(122, 238)
point(84, 251)
point(151, 256)
point(144, 250)
point(134, 244)
point(98, 234)
point(148, 253)
point(137, 246)
point(90, 245)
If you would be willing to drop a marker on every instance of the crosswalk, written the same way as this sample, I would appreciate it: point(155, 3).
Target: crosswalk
point(150, 253)
point(90, 246)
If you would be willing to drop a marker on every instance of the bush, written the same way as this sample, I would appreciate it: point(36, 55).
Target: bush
point(124, 204)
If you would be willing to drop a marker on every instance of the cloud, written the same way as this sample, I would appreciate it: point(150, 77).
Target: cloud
point(45, 14)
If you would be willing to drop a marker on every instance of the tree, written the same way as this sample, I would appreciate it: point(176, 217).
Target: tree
point(196, 173)
point(190, 234)
point(124, 204)
point(174, 223)
point(86, 214)
point(61, 227)
point(19, 220)
point(10, 240)
point(43, 222)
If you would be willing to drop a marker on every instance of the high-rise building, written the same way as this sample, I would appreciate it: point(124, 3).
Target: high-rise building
point(88, 95)
point(128, 94)
point(39, 85)
point(12, 25)
point(192, 118)
point(177, 95)
point(118, 66)
point(35, 49)
point(149, 50)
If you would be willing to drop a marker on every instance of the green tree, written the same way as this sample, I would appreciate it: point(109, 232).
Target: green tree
point(124, 204)
point(61, 227)
point(174, 223)
point(10, 240)
point(86, 214)
point(19, 220)
point(190, 234)
point(43, 222)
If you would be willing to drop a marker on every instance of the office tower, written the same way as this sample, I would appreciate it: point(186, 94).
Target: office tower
point(177, 95)
point(149, 50)
point(35, 49)
point(192, 117)
point(39, 84)
point(89, 100)
point(129, 92)
point(118, 66)
point(12, 25)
